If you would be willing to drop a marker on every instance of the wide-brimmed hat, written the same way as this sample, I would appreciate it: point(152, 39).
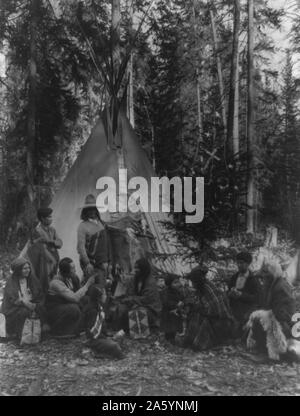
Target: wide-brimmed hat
point(89, 202)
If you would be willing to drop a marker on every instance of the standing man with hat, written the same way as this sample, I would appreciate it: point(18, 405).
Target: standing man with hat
point(43, 250)
point(93, 243)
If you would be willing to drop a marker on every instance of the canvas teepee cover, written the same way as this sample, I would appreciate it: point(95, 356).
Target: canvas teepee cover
point(98, 159)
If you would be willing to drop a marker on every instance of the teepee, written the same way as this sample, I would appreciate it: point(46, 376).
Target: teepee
point(98, 158)
point(112, 146)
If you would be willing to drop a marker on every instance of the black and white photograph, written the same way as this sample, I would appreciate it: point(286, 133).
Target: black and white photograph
point(149, 200)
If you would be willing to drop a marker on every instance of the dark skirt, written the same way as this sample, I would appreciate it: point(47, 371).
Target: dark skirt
point(15, 321)
point(241, 310)
point(207, 332)
point(171, 323)
point(16, 318)
point(65, 318)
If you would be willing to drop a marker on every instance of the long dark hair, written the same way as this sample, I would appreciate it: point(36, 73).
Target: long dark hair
point(64, 266)
point(145, 271)
point(17, 267)
point(65, 271)
point(32, 281)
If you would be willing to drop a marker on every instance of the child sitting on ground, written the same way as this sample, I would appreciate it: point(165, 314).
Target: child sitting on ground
point(172, 308)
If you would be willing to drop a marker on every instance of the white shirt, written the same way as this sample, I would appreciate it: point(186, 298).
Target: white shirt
point(24, 292)
point(241, 280)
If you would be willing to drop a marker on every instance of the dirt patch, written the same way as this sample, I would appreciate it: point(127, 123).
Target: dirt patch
point(153, 368)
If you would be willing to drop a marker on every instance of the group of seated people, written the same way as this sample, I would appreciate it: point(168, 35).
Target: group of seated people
point(192, 312)
point(255, 308)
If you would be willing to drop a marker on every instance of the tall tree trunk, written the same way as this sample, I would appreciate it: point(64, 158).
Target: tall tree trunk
point(152, 139)
point(31, 121)
point(233, 76)
point(153, 147)
point(235, 134)
point(250, 120)
point(130, 95)
point(198, 90)
point(200, 123)
point(289, 133)
point(219, 69)
point(116, 60)
point(115, 38)
point(271, 237)
point(116, 20)
point(3, 112)
point(2, 182)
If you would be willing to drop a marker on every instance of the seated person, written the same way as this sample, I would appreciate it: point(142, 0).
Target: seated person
point(172, 305)
point(142, 292)
point(65, 299)
point(43, 250)
point(22, 297)
point(210, 321)
point(270, 325)
point(94, 318)
point(243, 290)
